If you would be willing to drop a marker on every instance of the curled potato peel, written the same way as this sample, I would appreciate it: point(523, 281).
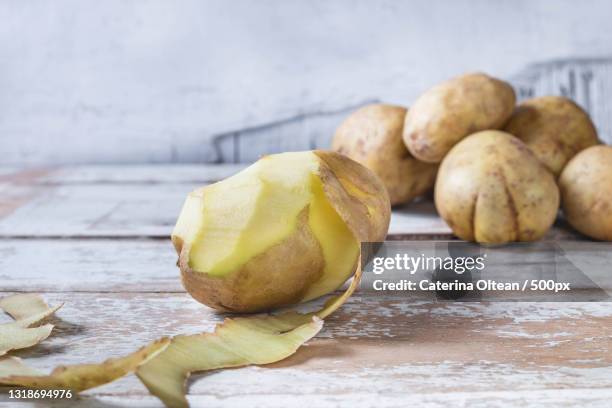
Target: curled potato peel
point(78, 377)
point(258, 339)
point(27, 309)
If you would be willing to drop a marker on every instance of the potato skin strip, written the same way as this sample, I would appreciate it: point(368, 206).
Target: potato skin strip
point(14, 366)
point(334, 303)
point(14, 337)
point(234, 343)
point(79, 377)
point(261, 339)
point(26, 307)
point(27, 310)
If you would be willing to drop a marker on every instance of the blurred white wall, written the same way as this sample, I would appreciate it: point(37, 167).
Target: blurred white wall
point(119, 81)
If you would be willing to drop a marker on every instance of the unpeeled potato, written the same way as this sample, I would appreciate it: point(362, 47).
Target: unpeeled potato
point(372, 136)
point(285, 230)
point(454, 109)
point(554, 128)
point(586, 189)
point(492, 189)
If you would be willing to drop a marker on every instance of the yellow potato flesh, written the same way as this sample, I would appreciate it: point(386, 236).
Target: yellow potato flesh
point(189, 221)
point(250, 212)
point(340, 248)
point(230, 222)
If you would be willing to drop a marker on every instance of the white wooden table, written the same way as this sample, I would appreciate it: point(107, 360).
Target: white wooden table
point(96, 238)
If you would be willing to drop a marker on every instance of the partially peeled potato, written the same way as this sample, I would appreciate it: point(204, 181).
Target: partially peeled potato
point(285, 230)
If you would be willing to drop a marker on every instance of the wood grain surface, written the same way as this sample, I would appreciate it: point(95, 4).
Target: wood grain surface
point(96, 238)
point(111, 201)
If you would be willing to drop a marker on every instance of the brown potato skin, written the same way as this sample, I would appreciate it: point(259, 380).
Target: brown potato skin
point(281, 275)
point(586, 190)
point(298, 262)
point(454, 109)
point(554, 128)
point(372, 136)
point(492, 189)
point(357, 194)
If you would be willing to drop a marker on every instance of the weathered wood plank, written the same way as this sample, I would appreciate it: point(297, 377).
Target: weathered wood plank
point(418, 218)
point(146, 210)
point(150, 210)
point(87, 200)
point(138, 210)
point(435, 354)
point(373, 345)
point(149, 265)
point(144, 201)
point(90, 265)
point(121, 174)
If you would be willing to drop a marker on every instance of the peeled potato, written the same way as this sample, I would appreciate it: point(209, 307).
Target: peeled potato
point(454, 109)
point(492, 189)
point(554, 128)
point(285, 230)
point(372, 136)
point(586, 190)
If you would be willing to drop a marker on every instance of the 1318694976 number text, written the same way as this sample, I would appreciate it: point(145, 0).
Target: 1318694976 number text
point(39, 394)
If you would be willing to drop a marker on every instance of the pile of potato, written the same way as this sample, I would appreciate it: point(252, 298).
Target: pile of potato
point(500, 172)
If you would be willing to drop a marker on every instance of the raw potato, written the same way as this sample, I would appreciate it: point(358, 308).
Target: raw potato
point(586, 189)
point(285, 230)
point(454, 109)
point(492, 189)
point(554, 128)
point(372, 136)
